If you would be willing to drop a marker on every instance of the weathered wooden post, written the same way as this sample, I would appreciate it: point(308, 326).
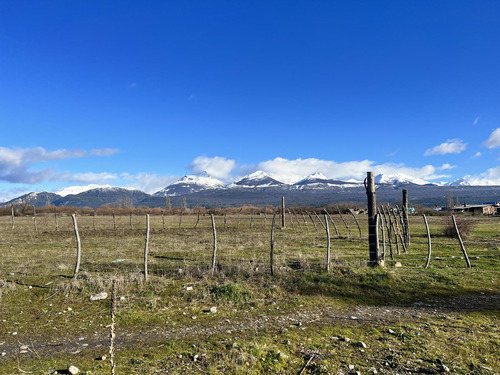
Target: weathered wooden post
point(283, 212)
point(461, 242)
point(12, 208)
point(214, 253)
point(372, 225)
point(310, 217)
point(163, 219)
point(405, 217)
point(291, 218)
point(225, 219)
point(381, 218)
point(146, 245)
point(333, 222)
point(251, 219)
point(271, 255)
point(343, 220)
point(357, 223)
point(131, 225)
point(305, 221)
point(428, 242)
point(327, 244)
point(180, 218)
point(78, 246)
point(55, 216)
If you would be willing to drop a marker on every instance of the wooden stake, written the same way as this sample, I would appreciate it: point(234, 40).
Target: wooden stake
point(55, 217)
point(225, 219)
point(93, 220)
point(372, 225)
point(296, 219)
point(214, 253)
point(163, 219)
point(428, 242)
point(383, 234)
point(305, 221)
point(319, 220)
point(461, 242)
point(333, 222)
point(12, 209)
point(310, 217)
point(357, 223)
point(251, 220)
point(291, 218)
point(327, 244)
point(271, 256)
point(131, 225)
point(114, 221)
point(283, 212)
point(78, 246)
point(197, 220)
point(180, 219)
point(345, 222)
point(146, 245)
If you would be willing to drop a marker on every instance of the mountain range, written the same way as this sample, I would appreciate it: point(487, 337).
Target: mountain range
point(260, 188)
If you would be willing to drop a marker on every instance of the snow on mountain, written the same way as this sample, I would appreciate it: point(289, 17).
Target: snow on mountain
point(320, 181)
point(259, 179)
point(71, 190)
point(399, 179)
point(191, 184)
point(459, 182)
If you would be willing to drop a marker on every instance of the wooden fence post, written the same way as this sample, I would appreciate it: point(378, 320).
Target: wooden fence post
point(327, 244)
point(114, 221)
point(383, 233)
point(305, 221)
point(214, 253)
point(180, 218)
point(163, 219)
point(78, 246)
point(282, 212)
point(225, 219)
point(131, 225)
point(146, 245)
point(291, 218)
point(406, 218)
point(319, 220)
point(345, 222)
point(55, 216)
point(251, 219)
point(93, 220)
point(310, 217)
point(461, 242)
point(271, 256)
point(12, 209)
point(428, 242)
point(333, 222)
point(372, 225)
point(357, 223)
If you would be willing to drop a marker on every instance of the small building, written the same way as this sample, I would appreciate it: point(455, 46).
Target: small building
point(477, 209)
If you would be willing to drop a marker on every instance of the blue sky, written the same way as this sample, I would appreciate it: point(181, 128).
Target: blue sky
point(140, 93)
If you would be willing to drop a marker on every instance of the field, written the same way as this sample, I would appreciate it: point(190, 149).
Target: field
point(240, 319)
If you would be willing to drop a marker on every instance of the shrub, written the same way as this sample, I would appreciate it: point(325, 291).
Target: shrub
point(465, 226)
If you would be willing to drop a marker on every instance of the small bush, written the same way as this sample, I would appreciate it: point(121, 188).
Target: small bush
point(465, 226)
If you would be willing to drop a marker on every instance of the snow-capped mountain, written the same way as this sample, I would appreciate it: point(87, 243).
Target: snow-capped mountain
point(71, 190)
point(320, 181)
point(399, 179)
point(191, 184)
point(257, 179)
point(460, 182)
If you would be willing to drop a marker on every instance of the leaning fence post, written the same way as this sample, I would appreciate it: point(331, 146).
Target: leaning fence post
point(310, 217)
point(291, 218)
point(461, 242)
point(146, 249)
point(429, 243)
point(78, 246)
point(344, 221)
point(319, 220)
point(333, 222)
point(271, 256)
point(305, 221)
point(327, 244)
point(357, 223)
point(383, 233)
point(214, 253)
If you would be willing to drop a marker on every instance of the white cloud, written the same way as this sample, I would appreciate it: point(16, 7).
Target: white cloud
point(451, 146)
point(477, 155)
point(476, 121)
point(91, 177)
point(294, 170)
point(148, 182)
point(490, 177)
point(218, 166)
point(15, 163)
point(494, 139)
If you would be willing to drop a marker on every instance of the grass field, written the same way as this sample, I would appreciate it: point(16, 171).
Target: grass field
point(390, 320)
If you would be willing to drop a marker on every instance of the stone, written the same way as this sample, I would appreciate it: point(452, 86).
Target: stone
point(24, 347)
point(73, 370)
point(351, 367)
point(373, 370)
point(443, 368)
point(4, 354)
point(361, 344)
point(346, 339)
point(282, 356)
point(397, 264)
point(189, 288)
point(122, 298)
point(99, 296)
point(213, 309)
point(390, 331)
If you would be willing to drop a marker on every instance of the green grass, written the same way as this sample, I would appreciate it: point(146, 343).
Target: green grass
point(445, 314)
